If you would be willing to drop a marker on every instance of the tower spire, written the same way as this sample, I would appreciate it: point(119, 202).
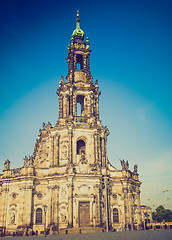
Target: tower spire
point(77, 20)
point(77, 33)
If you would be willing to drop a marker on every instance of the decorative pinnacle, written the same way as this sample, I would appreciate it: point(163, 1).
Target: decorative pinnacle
point(77, 20)
point(77, 33)
point(77, 13)
point(87, 41)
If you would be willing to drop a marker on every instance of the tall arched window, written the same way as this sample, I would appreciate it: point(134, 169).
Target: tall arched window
point(79, 62)
point(115, 215)
point(38, 215)
point(80, 105)
point(80, 147)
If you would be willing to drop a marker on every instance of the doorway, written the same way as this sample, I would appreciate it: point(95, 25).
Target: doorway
point(84, 214)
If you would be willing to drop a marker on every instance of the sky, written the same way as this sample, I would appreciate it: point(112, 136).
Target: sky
point(132, 60)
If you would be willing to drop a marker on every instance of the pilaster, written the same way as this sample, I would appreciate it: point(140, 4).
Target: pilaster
point(125, 192)
point(74, 105)
point(95, 149)
point(71, 104)
point(138, 208)
point(65, 106)
point(56, 153)
point(70, 203)
point(70, 145)
point(4, 204)
point(60, 106)
point(52, 151)
point(103, 152)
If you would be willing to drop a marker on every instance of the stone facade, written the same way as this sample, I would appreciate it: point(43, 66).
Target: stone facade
point(69, 171)
point(146, 213)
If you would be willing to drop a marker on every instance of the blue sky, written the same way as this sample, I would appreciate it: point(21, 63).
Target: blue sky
point(131, 58)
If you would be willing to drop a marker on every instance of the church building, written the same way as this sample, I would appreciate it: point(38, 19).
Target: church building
point(68, 184)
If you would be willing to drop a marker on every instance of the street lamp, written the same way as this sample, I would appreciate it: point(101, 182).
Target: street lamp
point(45, 212)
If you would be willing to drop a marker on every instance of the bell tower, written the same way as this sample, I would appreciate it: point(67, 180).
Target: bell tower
point(78, 95)
point(69, 174)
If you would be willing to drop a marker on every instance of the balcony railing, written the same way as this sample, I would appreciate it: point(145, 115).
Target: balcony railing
point(80, 119)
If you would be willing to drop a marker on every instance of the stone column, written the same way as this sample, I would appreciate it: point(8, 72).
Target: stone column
point(70, 146)
point(103, 152)
point(77, 213)
point(94, 213)
point(51, 206)
point(139, 219)
point(125, 191)
point(65, 107)
point(95, 148)
point(70, 202)
point(71, 105)
point(97, 205)
point(88, 62)
point(85, 63)
point(130, 207)
point(97, 107)
point(91, 105)
point(91, 213)
point(74, 62)
point(88, 106)
point(74, 105)
point(28, 204)
point(52, 151)
point(56, 204)
point(3, 206)
point(56, 151)
point(60, 106)
point(22, 205)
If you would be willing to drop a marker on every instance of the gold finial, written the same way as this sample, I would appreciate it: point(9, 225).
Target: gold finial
point(77, 14)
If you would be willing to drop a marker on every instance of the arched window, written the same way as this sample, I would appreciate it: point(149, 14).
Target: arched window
point(80, 147)
point(38, 215)
point(115, 215)
point(79, 62)
point(80, 105)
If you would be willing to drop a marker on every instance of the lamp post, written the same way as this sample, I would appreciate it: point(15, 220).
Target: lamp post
point(45, 212)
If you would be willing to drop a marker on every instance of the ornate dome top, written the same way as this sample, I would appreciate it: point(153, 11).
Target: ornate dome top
point(77, 33)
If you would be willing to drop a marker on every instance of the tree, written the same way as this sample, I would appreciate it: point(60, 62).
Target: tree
point(161, 214)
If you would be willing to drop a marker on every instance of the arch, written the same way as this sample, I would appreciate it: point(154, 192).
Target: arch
point(115, 215)
point(80, 147)
point(79, 62)
point(80, 105)
point(38, 219)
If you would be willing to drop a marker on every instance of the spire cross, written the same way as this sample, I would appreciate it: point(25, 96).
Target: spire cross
point(77, 20)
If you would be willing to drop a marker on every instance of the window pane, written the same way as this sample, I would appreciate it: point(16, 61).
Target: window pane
point(115, 215)
point(39, 215)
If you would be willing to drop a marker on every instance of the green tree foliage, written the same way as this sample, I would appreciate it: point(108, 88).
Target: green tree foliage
point(161, 214)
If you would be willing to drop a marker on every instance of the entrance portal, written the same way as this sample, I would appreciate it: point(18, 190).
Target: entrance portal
point(84, 214)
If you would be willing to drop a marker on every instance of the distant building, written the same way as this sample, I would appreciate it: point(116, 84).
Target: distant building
point(69, 174)
point(146, 213)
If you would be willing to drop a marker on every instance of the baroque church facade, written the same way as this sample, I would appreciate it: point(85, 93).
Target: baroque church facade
point(68, 182)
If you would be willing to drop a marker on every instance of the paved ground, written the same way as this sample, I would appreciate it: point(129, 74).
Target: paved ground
point(135, 235)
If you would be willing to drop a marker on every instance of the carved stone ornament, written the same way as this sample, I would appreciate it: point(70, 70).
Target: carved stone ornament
point(39, 195)
point(63, 192)
point(14, 195)
point(7, 165)
point(13, 217)
point(135, 168)
point(64, 151)
point(25, 161)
